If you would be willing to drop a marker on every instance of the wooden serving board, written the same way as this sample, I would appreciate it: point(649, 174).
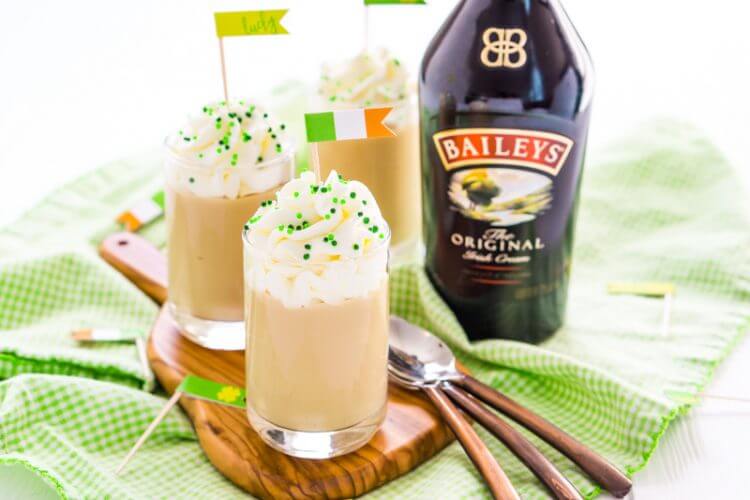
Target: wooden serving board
point(412, 432)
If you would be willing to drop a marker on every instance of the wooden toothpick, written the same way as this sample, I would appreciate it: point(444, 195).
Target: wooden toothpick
point(163, 413)
point(666, 316)
point(223, 69)
point(140, 346)
point(315, 161)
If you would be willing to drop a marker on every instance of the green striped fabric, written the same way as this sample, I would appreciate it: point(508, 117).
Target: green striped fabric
point(609, 377)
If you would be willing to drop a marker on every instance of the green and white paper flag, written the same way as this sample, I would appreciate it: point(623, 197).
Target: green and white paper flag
point(214, 392)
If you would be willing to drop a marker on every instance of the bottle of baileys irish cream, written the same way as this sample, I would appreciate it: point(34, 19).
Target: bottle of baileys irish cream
point(505, 96)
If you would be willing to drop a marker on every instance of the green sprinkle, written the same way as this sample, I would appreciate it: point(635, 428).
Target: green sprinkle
point(192, 179)
point(280, 227)
point(381, 236)
point(342, 201)
point(260, 159)
point(374, 229)
point(359, 214)
point(332, 98)
point(265, 115)
point(333, 210)
point(218, 151)
point(334, 243)
point(246, 227)
point(278, 148)
point(249, 114)
point(328, 216)
point(364, 202)
point(282, 126)
point(306, 256)
point(246, 137)
point(330, 236)
point(290, 230)
point(355, 246)
point(366, 220)
point(335, 200)
point(299, 215)
point(352, 195)
point(296, 194)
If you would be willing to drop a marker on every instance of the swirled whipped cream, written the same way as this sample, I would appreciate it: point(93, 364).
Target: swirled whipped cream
point(230, 150)
point(317, 242)
point(369, 79)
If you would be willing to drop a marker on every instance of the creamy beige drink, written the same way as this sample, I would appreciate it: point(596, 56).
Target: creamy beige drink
point(388, 166)
point(220, 167)
point(317, 317)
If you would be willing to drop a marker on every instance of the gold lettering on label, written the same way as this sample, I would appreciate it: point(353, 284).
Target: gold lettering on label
point(504, 48)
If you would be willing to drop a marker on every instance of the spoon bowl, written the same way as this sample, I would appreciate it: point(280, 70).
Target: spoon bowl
point(417, 357)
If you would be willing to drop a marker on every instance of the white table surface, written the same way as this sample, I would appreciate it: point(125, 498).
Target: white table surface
point(83, 83)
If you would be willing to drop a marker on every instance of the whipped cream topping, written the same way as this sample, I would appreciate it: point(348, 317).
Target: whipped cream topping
point(317, 242)
point(230, 150)
point(367, 80)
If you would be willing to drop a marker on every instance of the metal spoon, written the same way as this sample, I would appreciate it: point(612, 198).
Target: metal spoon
point(497, 481)
point(420, 358)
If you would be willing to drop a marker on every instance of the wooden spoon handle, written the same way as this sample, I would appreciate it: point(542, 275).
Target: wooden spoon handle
point(140, 262)
point(514, 440)
point(493, 474)
point(596, 466)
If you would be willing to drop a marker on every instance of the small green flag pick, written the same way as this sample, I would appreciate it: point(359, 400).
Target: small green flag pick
point(648, 289)
point(246, 23)
point(250, 23)
point(208, 390)
point(194, 387)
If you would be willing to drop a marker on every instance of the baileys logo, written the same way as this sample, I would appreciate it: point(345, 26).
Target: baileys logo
point(543, 151)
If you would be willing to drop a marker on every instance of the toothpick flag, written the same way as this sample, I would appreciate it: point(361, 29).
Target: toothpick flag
point(649, 289)
point(106, 334)
point(394, 2)
point(143, 212)
point(347, 124)
point(246, 23)
point(194, 387)
point(250, 22)
point(214, 392)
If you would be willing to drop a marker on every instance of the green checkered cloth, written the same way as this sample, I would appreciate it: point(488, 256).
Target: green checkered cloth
point(661, 206)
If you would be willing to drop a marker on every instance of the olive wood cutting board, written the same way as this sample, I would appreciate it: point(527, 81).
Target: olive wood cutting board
point(412, 431)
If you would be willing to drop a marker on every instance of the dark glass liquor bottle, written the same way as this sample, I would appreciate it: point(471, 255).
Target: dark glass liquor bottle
point(505, 94)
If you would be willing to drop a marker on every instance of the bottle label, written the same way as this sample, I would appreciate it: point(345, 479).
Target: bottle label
point(499, 146)
point(500, 181)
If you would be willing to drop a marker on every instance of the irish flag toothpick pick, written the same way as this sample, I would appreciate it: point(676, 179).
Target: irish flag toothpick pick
point(143, 212)
point(344, 125)
point(194, 387)
point(347, 124)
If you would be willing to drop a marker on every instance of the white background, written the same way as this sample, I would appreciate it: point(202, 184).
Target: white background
point(82, 83)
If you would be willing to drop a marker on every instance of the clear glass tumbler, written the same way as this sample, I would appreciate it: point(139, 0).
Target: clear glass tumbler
point(316, 375)
point(204, 243)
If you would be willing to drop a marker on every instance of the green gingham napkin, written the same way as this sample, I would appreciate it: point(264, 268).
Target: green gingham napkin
point(663, 206)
